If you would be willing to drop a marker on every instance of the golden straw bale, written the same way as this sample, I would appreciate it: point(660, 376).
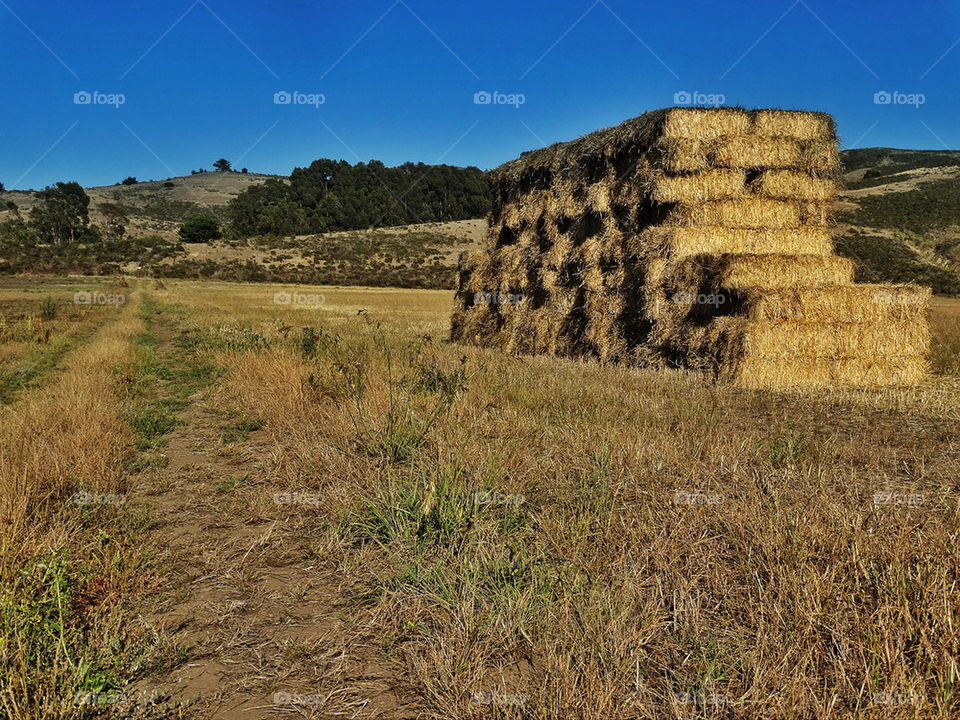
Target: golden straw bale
point(790, 185)
point(798, 125)
point(718, 184)
point(756, 152)
point(689, 241)
point(704, 123)
point(843, 303)
point(779, 271)
point(747, 213)
point(843, 339)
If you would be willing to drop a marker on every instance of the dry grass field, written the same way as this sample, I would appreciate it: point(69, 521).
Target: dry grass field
point(260, 501)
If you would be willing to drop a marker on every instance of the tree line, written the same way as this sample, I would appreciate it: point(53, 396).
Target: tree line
point(335, 195)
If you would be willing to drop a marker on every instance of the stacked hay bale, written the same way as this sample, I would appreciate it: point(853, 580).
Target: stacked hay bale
point(690, 237)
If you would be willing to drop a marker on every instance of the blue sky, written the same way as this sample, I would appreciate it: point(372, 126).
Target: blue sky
point(398, 78)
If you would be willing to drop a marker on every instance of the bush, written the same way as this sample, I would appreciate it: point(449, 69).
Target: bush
point(48, 308)
point(199, 229)
point(129, 181)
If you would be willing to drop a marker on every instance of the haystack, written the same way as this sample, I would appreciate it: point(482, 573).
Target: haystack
point(696, 238)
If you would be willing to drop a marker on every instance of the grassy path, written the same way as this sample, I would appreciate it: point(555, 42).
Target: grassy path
point(248, 624)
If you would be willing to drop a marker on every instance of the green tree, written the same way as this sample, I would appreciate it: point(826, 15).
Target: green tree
point(222, 165)
point(130, 180)
point(62, 213)
point(199, 229)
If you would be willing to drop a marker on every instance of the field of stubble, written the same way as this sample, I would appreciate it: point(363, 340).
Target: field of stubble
point(229, 500)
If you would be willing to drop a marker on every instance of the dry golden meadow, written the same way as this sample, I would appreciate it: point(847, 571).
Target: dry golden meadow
point(218, 505)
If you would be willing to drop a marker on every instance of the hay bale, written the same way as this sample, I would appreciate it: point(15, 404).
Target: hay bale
point(690, 241)
point(718, 184)
point(703, 123)
point(793, 124)
point(645, 243)
point(814, 338)
point(794, 185)
point(756, 152)
point(760, 213)
point(841, 303)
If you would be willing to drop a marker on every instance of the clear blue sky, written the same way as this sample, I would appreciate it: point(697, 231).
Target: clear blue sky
point(398, 78)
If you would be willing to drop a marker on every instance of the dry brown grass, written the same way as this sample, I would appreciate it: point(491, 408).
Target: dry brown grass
point(679, 548)
point(65, 436)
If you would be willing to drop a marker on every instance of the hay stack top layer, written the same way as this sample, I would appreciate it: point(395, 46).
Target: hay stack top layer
point(658, 129)
point(659, 240)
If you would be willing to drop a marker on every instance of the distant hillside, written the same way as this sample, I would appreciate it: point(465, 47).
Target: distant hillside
point(156, 207)
point(880, 162)
point(899, 216)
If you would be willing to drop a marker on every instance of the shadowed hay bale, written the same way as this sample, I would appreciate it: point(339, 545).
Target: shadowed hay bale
point(793, 185)
point(749, 213)
point(689, 241)
point(799, 125)
point(683, 156)
point(709, 185)
point(477, 325)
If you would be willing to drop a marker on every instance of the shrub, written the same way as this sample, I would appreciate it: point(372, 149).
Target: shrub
point(199, 229)
point(48, 308)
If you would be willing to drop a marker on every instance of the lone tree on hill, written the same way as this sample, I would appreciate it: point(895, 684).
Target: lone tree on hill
point(222, 165)
point(199, 229)
point(130, 181)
